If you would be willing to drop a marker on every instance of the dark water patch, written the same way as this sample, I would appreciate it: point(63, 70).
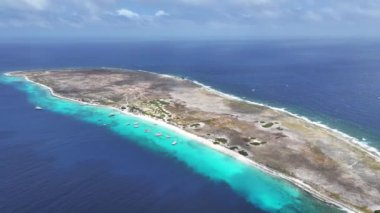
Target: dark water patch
point(93, 186)
point(6, 134)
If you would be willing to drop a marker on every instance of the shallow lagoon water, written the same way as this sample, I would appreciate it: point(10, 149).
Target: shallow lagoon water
point(258, 188)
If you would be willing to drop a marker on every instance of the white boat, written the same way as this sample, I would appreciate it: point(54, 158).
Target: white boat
point(168, 136)
point(158, 134)
point(136, 126)
point(174, 143)
point(38, 108)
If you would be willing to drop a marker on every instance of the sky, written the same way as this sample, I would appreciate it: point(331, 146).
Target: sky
point(151, 19)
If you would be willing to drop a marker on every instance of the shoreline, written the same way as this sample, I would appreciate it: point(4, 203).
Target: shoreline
point(297, 182)
point(353, 141)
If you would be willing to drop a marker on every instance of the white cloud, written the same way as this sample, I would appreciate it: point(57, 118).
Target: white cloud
point(199, 14)
point(198, 2)
point(37, 4)
point(252, 2)
point(270, 14)
point(161, 13)
point(369, 12)
point(331, 13)
point(128, 13)
point(312, 16)
point(24, 4)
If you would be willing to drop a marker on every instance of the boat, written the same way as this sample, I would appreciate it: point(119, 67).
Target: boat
point(111, 115)
point(168, 136)
point(136, 126)
point(147, 130)
point(38, 108)
point(158, 134)
point(174, 143)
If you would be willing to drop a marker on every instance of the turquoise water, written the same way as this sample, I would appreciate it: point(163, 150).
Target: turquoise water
point(257, 187)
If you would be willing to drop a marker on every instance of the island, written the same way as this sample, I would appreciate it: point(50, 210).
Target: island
point(328, 164)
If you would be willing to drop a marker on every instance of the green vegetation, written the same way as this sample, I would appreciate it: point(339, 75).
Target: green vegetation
point(268, 125)
point(335, 196)
point(85, 100)
point(279, 135)
point(135, 109)
point(195, 125)
point(279, 128)
point(256, 143)
point(377, 211)
point(244, 107)
point(163, 102)
point(253, 141)
point(116, 98)
point(243, 152)
point(233, 147)
point(221, 140)
point(363, 209)
point(158, 103)
point(154, 109)
point(373, 165)
point(249, 139)
point(216, 142)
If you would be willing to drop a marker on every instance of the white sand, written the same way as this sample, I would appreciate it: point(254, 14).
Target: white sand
point(221, 149)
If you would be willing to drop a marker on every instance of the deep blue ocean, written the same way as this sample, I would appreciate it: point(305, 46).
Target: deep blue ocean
point(61, 160)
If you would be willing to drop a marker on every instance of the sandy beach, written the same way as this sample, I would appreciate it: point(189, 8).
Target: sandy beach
point(251, 161)
point(206, 142)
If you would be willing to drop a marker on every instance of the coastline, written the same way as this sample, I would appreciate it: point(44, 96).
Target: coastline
point(300, 184)
point(350, 140)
